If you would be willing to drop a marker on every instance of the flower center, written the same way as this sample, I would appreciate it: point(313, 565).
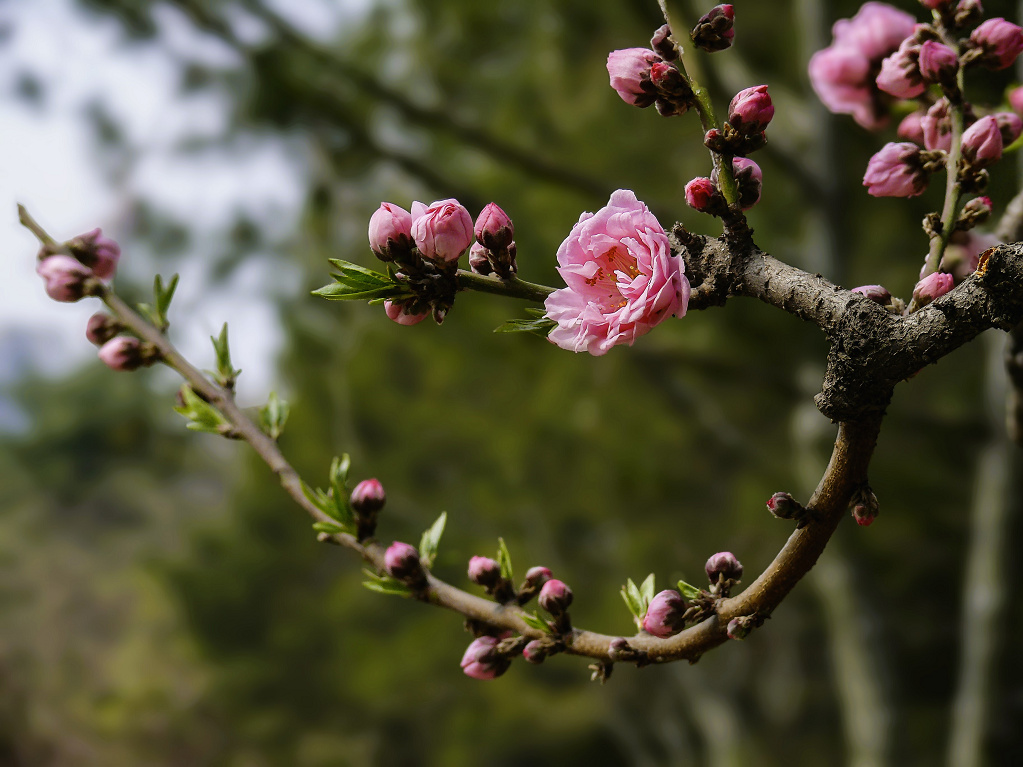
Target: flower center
point(609, 264)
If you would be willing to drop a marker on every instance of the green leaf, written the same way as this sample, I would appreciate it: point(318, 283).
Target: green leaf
point(226, 374)
point(201, 415)
point(383, 584)
point(430, 542)
point(646, 590)
point(327, 527)
point(163, 296)
point(273, 415)
point(504, 559)
point(633, 600)
point(534, 621)
point(339, 292)
point(318, 498)
point(340, 509)
point(539, 327)
point(689, 591)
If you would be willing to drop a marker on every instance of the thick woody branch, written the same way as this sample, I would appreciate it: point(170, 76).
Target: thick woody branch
point(871, 348)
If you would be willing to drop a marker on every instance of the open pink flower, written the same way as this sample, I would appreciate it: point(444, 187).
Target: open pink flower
point(621, 275)
point(843, 74)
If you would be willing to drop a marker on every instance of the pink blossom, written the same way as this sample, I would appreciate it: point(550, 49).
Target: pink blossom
point(937, 127)
point(390, 231)
point(401, 312)
point(900, 72)
point(442, 231)
point(480, 660)
point(621, 275)
point(932, 287)
point(494, 228)
point(982, 142)
point(1001, 41)
point(938, 63)
point(751, 110)
point(64, 276)
point(629, 70)
point(97, 252)
point(122, 353)
point(895, 172)
point(843, 74)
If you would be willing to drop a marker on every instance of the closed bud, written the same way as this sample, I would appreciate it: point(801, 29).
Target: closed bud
point(751, 110)
point(442, 231)
point(714, 31)
point(1009, 125)
point(911, 128)
point(937, 126)
point(101, 328)
point(701, 194)
point(484, 571)
point(555, 597)
point(390, 232)
point(974, 213)
point(479, 260)
point(629, 71)
point(896, 171)
point(123, 353)
point(968, 13)
point(877, 293)
point(749, 180)
point(900, 73)
point(662, 46)
point(368, 497)
point(931, 288)
point(401, 561)
point(494, 228)
point(403, 312)
point(97, 252)
point(784, 506)
point(481, 660)
point(863, 504)
point(538, 576)
point(66, 278)
point(619, 649)
point(999, 41)
point(982, 142)
point(1016, 100)
point(664, 615)
point(535, 651)
point(723, 566)
point(738, 628)
point(938, 63)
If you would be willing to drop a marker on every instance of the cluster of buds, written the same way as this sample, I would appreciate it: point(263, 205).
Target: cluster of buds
point(422, 249)
point(494, 249)
point(642, 77)
point(714, 32)
point(749, 114)
point(535, 579)
point(366, 500)
point(704, 194)
point(74, 270)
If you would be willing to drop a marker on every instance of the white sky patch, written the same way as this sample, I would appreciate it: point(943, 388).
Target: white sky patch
point(48, 164)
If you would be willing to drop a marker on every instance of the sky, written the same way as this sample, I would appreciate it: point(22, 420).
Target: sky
point(52, 163)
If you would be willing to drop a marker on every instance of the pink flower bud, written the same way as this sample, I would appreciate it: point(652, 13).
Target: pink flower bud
point(662, 46)
point(700, 194)
point(390, 232)
point(65, 277)
point(1009, 125)
point(911, 128)
point(895, 171)
point(751, 110)
point(494, 228)
point(538, 576)
point(664, 614)
point(937, 127)
point(737, 628)
point(97, 252)
point(982, 142)
point(932, 287)
point(723, 565)
point(784, 506)
point(368, 497)
point(1016, 100)
point(480, 660)
point(877, 293)
point(535, 652)
point(749, 179)
point(938, 63)
point(122, 353)
point(1000, 40)
point(900, 72)
point(479, 260)
point(442, 231)
point(555, 597)
point(401, 312)
point(714, 32)
point(629, 70)
point(484, 571)
point(402, 561)
point(101, 328)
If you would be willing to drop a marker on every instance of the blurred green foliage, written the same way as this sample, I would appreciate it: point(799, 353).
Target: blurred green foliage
point(165, 605)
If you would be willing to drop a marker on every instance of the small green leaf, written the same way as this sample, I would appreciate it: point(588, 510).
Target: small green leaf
point(383, 584)
point(633, 600)
point(340, 509)
point(328, 527)
point(430, 542)
point(646, 590)
point(504, 559)
point(163, 296)
point(273, 415)
point(689, 591)
point(201, 415)
point(539, 327)
point(318, 498)
point(534, 621)
point(226, 374)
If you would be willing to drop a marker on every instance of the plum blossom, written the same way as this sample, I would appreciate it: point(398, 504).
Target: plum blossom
point(442, 231)
point(621, 275)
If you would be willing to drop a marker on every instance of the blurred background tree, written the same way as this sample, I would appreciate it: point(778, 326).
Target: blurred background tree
point(163, 606)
